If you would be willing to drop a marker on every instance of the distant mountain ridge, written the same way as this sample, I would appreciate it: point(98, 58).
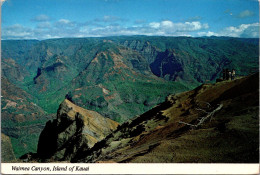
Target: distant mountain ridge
point(119, 77)
point(213, 123)
point(213, 51)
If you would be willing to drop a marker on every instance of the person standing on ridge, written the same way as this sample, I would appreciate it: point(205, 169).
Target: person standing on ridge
point(227, 74)
point(233, 74)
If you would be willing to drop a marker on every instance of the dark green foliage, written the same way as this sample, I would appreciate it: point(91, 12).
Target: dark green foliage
point(119, 77)
point(17, 49)
point(24, 136)
point(200, 59)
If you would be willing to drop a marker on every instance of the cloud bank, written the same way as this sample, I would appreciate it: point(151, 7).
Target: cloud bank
point(46, 28)
point(243, 31)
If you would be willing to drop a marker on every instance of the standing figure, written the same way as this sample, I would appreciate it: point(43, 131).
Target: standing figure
point(233, 74)
point(227, 74)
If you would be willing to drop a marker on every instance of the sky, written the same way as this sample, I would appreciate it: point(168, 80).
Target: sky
point(45, 19)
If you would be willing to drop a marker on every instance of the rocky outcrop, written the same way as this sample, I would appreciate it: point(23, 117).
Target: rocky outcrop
point(211, 124)
point(74, 128)
point(113, 78)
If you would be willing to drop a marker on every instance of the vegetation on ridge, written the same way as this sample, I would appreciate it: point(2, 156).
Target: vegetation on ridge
point(120, 77)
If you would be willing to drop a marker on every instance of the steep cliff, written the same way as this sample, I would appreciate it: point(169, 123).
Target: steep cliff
point(119, 84)
point(114, 76)
point(212, 123)
point(74, 127)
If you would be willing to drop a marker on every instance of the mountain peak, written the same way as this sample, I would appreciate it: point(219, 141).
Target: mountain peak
point(74, 125)
point(90, 118)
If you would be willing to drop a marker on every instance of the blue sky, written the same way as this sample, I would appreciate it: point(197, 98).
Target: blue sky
point(44, 19)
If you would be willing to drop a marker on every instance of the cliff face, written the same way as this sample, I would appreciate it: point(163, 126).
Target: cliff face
point(212, 123)
point(168, 65)
point(194, 60)
point(143, 47)
point(119, 77)
point(74, 127)
point(116, 82)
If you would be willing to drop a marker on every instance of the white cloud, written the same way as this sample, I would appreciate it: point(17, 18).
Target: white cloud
point(166, 24)
point(17, 31)
point(109, 19)
point(246, 13)
point(64, 21)
point(44, 25)
point(163, 28)
point(208, 33)
point(84, 29)
point(155, 25)
point(67, 28)
point(243, 31)
point(167, 27)
point(41, 18)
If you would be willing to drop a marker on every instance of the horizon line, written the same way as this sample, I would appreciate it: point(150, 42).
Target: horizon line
point(213, 36)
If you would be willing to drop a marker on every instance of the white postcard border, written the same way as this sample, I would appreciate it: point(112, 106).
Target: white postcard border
point(127, 168)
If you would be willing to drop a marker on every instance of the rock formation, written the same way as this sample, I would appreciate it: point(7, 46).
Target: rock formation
point(212, 123)
point(119, 77)
point(74, 127)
